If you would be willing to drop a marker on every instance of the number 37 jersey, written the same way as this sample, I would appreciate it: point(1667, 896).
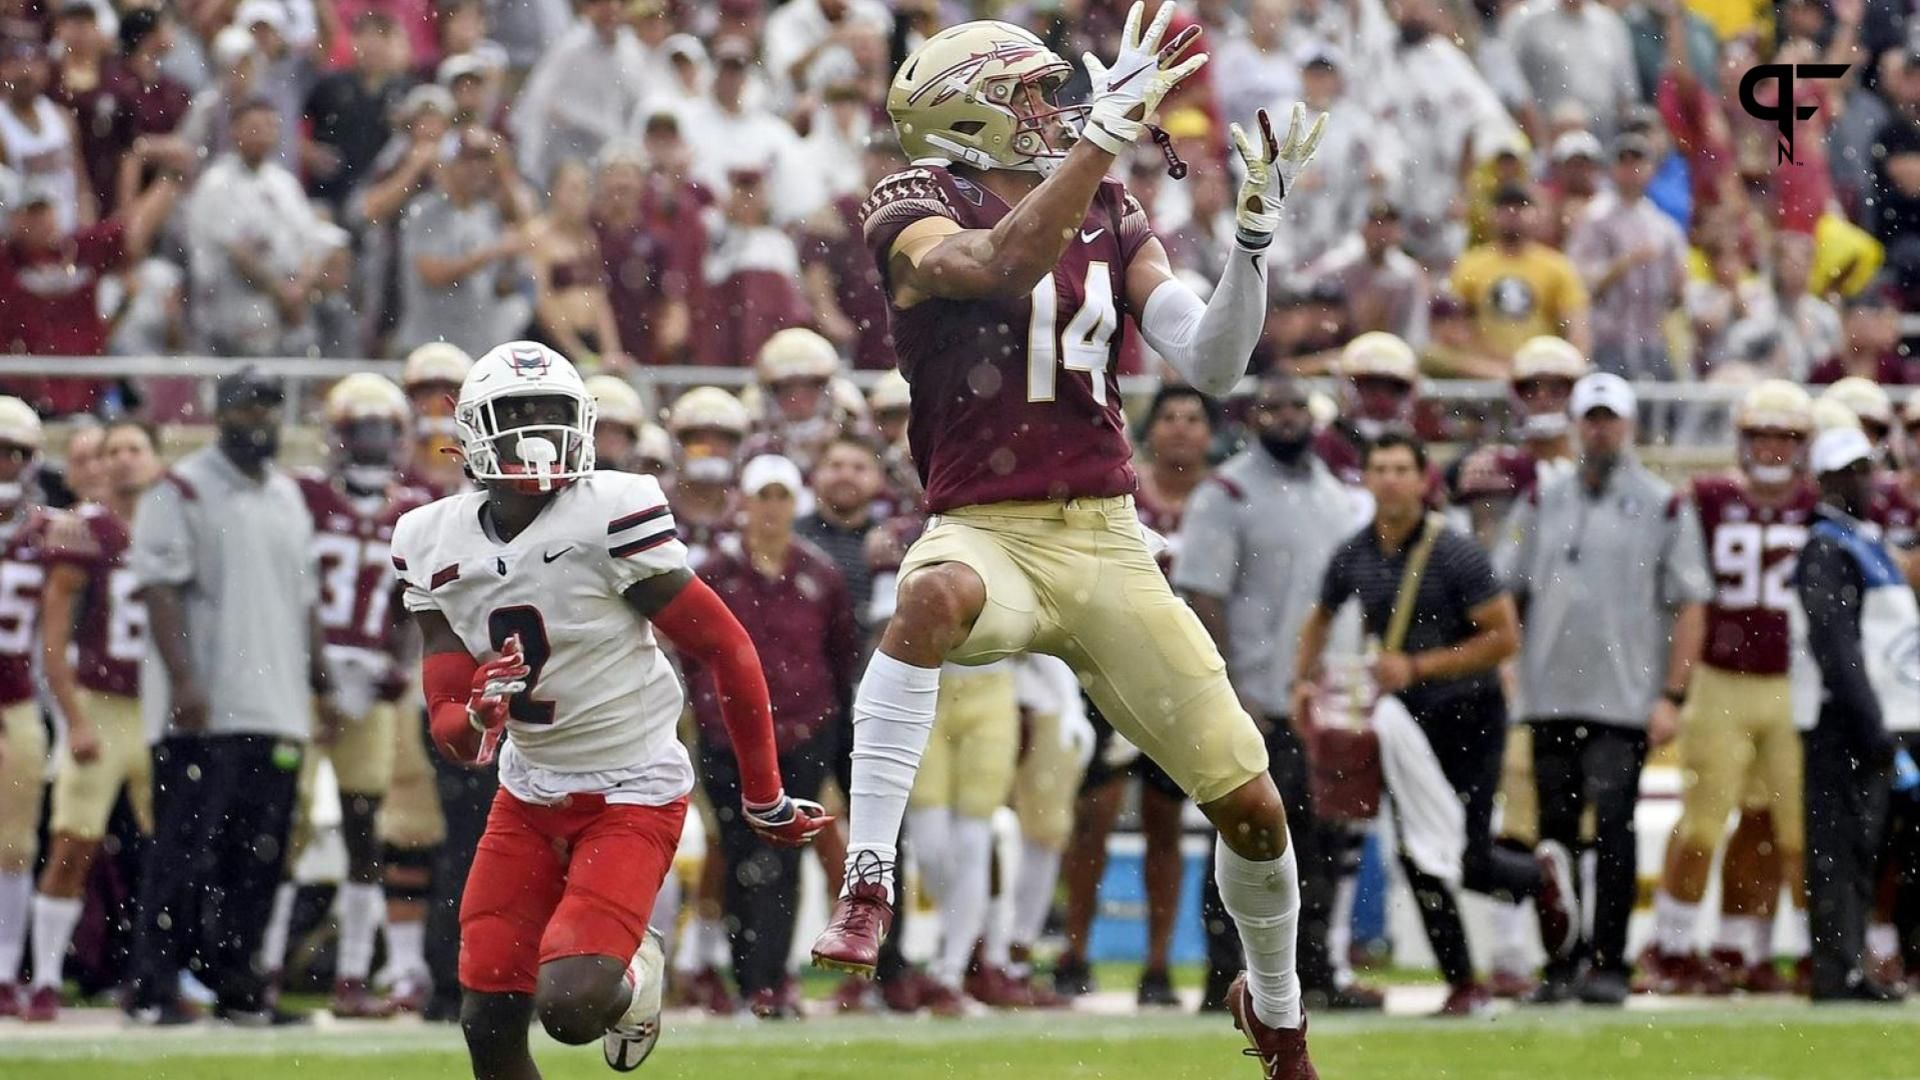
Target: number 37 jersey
point(1014, 399)
point(601, 696)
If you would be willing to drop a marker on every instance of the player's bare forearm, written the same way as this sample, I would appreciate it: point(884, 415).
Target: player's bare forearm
point(1313, 644)
point(1689, 641)
point(1022, 247)
point(64, 585)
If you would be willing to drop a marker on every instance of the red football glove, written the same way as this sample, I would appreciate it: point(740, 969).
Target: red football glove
point(493, 683)
point(789, 822)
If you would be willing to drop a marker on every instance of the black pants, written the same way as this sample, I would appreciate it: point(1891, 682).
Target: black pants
point(1846, 807)
point(466, 795)
point(223, 805)
point(1900, 861)
point(761, 899)
point(1467, 735)
point(1577, 763)
point(1316, 847)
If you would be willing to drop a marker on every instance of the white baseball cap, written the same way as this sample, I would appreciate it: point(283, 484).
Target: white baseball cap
point(770, 469)
point(1603, 390)
point(1839, 448)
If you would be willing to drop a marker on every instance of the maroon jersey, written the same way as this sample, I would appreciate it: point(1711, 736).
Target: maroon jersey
point(1014, 399)
point(22, 576)
point(110, 623)
point(1752, 550)
point(1512, 472)
point(835, 244)
point(350, 549)
point(1896, 509)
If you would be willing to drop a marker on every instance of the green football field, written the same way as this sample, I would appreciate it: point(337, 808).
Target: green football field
point(1733, 1042)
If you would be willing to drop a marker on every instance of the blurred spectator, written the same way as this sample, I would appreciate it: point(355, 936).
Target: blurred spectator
point(79, 85)
point(459, 250)
point(1499, 161)
point(730, 131)
point(1633, 259)
point(1788, 331)
point(1454, 349)
point(286, 72)
point(1575, 176)
point(837, 131)
point(1894, 206)
point(842, 281)
point(752, 275)
point(51, 275)
point(1199, 236)
point(1385, 288)
point(401, 173)
point(146, 100)
point(349, 112)
point(648, 222)
point(582, 92)
point(1517, 288)
point(37, 138)
point(847, 482)
point(794, 606)
point(689, 76)
point(1665, 34)
point(237, 66)
point(412, 22)
point(464, 31)
point(252, 236)
point(1260, 68)
point(476, 86)
point(1354, 163)
point(571, 310)
point(1690, 106)
point(813, 44)
point(1871, 329)
point(1719, 299)
point(1577, 49)
point(652, 22)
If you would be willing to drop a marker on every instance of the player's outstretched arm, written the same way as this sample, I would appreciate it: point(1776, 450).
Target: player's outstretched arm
point(935, 257)
point(698, 623)
point(1209, 342)
point(466, 700)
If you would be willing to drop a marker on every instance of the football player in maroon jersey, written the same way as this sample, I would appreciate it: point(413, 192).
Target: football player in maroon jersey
point(23, 738)
point(1009, 260)
point(431, 378)
point(1738, 721)
point(89, 605)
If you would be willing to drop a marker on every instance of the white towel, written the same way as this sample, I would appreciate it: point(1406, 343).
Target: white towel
point(1428, 815)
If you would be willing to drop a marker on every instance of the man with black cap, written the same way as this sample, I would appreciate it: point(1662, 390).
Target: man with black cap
point(1848, 686)
point(221, 558)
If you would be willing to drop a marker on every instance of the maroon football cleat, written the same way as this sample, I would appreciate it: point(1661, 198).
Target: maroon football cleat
point(43, 1005)
point(861, 918)
point(1556, 903)
point(352, 999)
point(9, 999)
point(1511, 985)
point(1465, 1001)
point(409, 993)
point(1282, 1052)
point(1764, 978)
point(901, 994)
point(943, 1001)
point(851, 995)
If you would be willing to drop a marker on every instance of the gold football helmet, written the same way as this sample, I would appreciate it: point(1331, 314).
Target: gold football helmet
point(1547, 356)
point(366, 396)
point(1775, 405)
point(981, 94)
point(1865, 397)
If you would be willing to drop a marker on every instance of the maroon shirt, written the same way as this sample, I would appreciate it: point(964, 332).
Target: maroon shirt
point(653, 260)
point(50, 306)
point(115, 112)
point(802, 624)
point(110, 624)
point(1889, 369)
point(991, 422)
point(23, 574)
point(350, 548)
point(856, 283)
point(1896, 511)
point(1752, 550)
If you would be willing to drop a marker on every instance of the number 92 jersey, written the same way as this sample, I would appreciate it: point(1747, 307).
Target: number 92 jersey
point(1014, 399)
point(1752, 549)
point(601, 696)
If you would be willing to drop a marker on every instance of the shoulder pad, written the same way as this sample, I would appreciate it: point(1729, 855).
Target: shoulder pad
point(919, 183)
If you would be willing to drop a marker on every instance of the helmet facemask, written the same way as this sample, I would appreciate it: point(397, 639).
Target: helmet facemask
point(1763, 468)
point(538, 440)
point(1541, 403)
point(367, 452)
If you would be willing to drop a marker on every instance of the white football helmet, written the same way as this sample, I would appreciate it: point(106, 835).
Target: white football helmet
point(533, 457)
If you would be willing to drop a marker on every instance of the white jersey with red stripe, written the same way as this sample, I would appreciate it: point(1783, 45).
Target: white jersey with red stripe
point(602, 703)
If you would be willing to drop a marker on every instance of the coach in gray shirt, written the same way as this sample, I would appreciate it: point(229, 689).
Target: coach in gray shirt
point(1254, 543)
point(1609, 568)
point(221, 554)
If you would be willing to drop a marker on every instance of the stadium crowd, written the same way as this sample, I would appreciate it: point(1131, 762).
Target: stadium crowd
point(1536, 193)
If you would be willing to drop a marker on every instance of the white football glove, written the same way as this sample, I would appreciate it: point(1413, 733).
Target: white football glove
point(1271, 172)
point(1126, 94)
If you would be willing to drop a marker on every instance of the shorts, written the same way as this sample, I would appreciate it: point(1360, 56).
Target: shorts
point(23, 773)
point(970, 758)
point(84, 794)
point(1099, 773)
point(1075, 580)
point(577, 878)
point(410, 814)
point(1739, 749)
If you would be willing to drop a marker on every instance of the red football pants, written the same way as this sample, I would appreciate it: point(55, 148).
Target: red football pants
point(574, 879)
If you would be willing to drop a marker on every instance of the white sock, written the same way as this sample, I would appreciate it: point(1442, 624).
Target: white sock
point(666, 906)
point(1673, 923)
point(16, 902)
point(1510, 938)
point(718, 951)
point(963, 910)
point(1033, 891)
point(932, 830)
point(407, 947)
point(892, 720)
point(273, 943)
point(1737, 933)
point(1340, 929)
point(53, 921)
point(999, 930)
point(360, 907)
point(1799, 935)
point(1264, 900)
point(1882, 941)
point(689, 953)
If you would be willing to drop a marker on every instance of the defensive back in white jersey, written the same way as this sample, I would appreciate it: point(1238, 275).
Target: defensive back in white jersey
point(601, 697)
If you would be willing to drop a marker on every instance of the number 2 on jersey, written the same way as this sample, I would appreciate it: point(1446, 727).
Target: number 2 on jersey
point(1082, 346)
point(525, 621)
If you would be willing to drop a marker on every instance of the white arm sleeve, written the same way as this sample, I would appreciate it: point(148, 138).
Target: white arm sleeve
point(1209, 342)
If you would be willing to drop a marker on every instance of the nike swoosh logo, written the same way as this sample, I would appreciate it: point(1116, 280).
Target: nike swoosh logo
point(550, 556)
point(1089, 237)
